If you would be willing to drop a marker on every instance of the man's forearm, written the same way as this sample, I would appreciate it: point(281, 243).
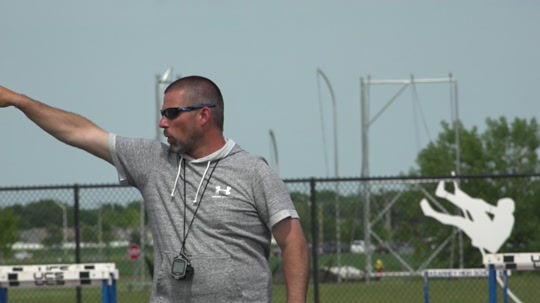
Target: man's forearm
point(67, 127)
point(296, 270)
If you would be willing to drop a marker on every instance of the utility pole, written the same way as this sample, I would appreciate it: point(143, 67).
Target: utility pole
point(336, 169)
point(64, 219)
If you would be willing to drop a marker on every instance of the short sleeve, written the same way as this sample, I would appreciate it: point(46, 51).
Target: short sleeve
point(133, 158)
point(272, 196)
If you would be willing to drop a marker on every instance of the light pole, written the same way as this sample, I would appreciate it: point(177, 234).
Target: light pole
point(336, 168)
point(161, 83)
point(334, 112)
point(100, 230)
point(274, 150)
point(64, 219)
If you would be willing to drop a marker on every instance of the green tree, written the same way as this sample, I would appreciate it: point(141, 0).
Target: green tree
point(54, 236)
point(9, 224)
point(89, 233)
point(512, 147)
point(89, 216)
point(116, 215)
point(503, 148)
point(40, 214)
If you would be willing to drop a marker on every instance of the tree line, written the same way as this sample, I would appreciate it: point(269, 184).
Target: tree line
point(96, 224)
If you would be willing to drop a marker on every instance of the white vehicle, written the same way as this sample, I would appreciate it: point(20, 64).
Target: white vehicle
point(23, 255)
point(359, 247)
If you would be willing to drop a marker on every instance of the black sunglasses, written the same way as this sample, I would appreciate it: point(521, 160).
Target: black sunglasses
point(173, 112)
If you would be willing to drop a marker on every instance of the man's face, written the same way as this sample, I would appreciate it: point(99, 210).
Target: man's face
point(181, 132)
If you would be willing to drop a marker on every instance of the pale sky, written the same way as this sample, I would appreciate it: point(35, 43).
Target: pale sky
point(100, 58)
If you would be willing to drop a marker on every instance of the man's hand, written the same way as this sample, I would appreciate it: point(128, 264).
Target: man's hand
point(8, 97)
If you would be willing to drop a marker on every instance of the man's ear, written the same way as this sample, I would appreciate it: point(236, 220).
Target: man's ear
point(205, 115)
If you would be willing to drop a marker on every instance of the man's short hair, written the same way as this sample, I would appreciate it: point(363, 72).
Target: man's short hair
point(201, 90)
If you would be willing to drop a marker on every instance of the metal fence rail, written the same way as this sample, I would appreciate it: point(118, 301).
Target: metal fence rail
point(368, 237)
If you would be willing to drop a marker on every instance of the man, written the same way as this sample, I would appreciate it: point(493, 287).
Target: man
point(212, 206)
point(379, 266)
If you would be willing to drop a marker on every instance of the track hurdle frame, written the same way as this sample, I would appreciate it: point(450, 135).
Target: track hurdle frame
point(60, 275)
point(452, 273)
point(508, 261)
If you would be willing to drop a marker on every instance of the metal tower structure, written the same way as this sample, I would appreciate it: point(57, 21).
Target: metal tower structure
point(367, 122)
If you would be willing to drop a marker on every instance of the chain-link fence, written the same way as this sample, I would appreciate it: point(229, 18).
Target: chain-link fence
point(370, 240)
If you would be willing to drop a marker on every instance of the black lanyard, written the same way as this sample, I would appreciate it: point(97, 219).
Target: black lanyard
point(186, 232)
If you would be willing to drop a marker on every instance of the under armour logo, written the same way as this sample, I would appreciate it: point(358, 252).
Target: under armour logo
point(227, 191)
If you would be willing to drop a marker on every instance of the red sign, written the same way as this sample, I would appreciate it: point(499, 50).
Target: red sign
point(134, 252)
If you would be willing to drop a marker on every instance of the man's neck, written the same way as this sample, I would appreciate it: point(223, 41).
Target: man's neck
point(208, 147)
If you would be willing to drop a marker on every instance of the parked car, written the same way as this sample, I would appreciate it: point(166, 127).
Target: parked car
point(404, 248)
point(359, 247)
point(401, 248)
point(331, 247)
point(319, 248)
point(23, 255)
point(382, 249)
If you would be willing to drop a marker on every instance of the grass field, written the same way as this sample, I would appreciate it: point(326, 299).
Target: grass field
point(387, 290)
point(410, 289)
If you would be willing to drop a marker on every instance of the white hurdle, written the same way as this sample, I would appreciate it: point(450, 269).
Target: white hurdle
point(60, 275)
point(508, 261)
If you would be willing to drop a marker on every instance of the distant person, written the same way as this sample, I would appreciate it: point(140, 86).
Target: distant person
point(212, 206)
point(379, 266)
point(485, 232)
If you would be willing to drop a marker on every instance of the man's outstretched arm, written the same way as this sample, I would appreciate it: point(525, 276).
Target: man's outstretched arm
point(67, 127)
point(290, 238)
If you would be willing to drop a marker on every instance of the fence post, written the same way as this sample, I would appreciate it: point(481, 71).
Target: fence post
point(77, 226)
point(314, 239)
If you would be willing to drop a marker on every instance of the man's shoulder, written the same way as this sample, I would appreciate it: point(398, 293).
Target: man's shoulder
point(137, 142)
point(241, 154)
point(140, 146)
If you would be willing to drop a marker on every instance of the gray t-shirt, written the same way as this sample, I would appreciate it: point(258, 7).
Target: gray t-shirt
point(239, 198)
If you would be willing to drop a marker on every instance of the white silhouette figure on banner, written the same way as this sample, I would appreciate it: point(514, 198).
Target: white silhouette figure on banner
point(485, 232)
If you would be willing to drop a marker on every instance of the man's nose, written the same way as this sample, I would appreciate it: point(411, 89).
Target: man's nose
point(164, 122)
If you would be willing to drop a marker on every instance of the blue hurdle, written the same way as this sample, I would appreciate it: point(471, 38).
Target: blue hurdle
point(508, 261)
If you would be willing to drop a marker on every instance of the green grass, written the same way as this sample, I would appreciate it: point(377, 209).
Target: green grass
point(89, 294)
point(383, 291)
point(404, 290)
point(411, 289)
